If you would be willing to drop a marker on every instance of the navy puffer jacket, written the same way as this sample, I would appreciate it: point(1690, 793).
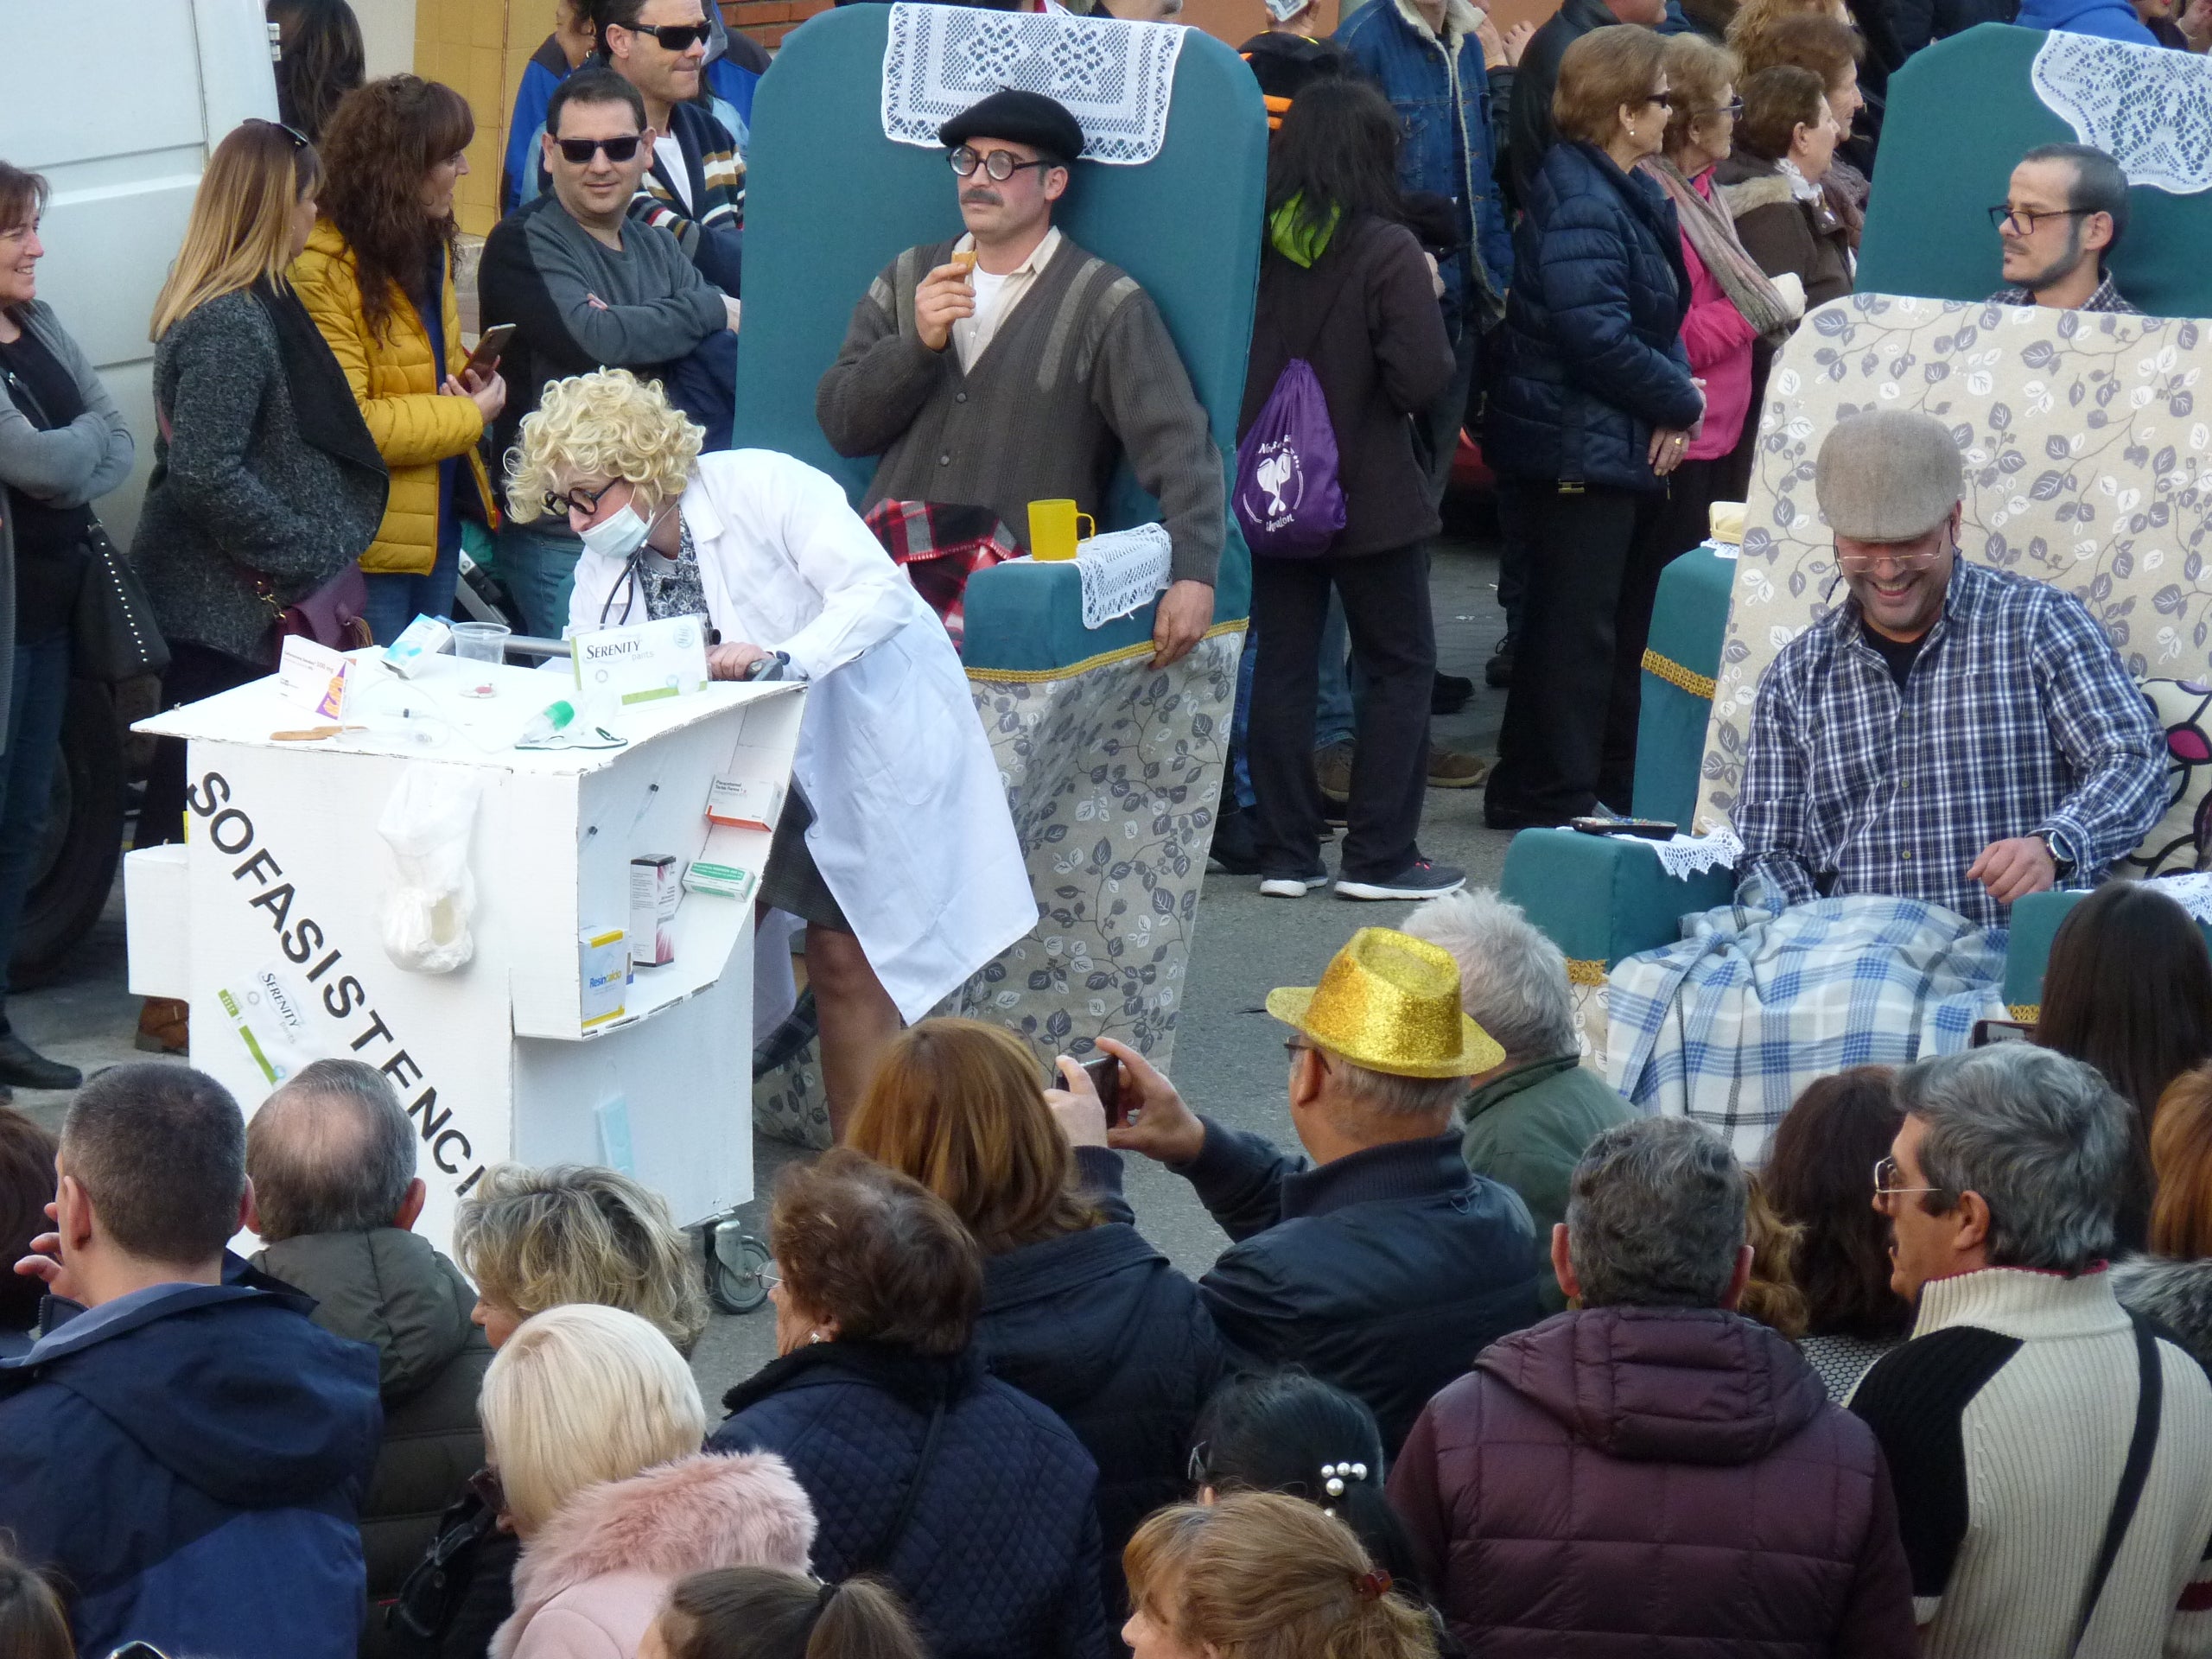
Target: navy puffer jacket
point(1592, 357)
point(999, 1559)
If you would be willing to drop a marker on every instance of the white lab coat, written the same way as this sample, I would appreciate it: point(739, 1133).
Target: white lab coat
point(910, 828)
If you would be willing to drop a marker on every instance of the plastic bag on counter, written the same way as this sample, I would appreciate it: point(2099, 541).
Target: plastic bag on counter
point(424, 914)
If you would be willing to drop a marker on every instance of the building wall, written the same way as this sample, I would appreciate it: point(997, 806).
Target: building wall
point(479, 48)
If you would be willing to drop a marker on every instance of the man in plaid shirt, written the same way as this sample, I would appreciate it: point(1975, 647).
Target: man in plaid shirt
point(2062, 217)
point(1951, 733)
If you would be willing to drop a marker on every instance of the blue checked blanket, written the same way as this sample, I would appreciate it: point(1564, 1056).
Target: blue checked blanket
point(1729, 1024)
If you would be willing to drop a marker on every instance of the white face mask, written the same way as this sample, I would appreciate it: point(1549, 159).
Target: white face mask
point(617, 536)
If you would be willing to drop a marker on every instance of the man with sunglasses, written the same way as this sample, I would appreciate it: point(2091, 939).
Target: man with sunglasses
point(1009, 365)
point(589, 285)
point(1950, 733)
point(2063, 215)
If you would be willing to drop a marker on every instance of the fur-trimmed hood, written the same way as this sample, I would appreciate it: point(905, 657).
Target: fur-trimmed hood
point(697, 1512)
point(2178, 1294)
point(1460, 19)
point(1761, 190)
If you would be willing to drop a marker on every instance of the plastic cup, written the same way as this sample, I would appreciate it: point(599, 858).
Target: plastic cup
point(480, 642)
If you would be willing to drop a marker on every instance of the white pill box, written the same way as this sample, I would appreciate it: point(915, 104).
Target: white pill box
point(722, 881)
point(654, 892)
point(744, 802)
point(603, 971)
point(418, 642)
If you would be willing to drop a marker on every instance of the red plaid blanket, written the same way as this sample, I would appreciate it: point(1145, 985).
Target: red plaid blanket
point(940, 545)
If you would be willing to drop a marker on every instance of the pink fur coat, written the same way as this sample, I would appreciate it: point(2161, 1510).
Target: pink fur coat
point(590, 1583)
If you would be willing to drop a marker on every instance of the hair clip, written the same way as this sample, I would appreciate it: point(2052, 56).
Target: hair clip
point(1373, 1586)
point(1333, 1476)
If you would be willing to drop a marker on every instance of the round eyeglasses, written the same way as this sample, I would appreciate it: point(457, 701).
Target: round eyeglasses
point(1000, 164)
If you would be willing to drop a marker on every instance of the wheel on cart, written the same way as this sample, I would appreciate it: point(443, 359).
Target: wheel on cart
point(737, 1266)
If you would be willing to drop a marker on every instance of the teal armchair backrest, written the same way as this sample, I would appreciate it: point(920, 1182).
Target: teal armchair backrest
point(830, 200)
point(1946, 159)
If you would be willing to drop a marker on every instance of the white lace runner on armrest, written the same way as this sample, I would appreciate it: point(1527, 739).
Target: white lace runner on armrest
point(1115, 78)
point(2193, 893)
point(1121, 570)
point(1687, 856)
point(2148, 107)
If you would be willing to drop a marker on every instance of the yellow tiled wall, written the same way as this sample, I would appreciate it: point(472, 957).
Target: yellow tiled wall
point(479, 47)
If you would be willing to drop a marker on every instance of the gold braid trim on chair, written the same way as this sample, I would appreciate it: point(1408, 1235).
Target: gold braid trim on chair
point(2026, 1013)
point(1582, 970)
point(1673, 673)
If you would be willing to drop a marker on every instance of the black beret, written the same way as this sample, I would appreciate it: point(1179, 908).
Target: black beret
point(1028, 118)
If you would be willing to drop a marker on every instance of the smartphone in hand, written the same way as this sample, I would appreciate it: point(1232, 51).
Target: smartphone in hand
point(1105, 1074)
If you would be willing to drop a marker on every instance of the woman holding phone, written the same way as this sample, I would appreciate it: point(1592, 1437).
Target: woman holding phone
point(377, 277)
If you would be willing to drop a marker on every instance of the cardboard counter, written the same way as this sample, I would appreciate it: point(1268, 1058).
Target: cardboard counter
point(266, 919)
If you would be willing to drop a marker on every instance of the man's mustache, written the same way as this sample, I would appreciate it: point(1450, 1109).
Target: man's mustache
point(989, 198)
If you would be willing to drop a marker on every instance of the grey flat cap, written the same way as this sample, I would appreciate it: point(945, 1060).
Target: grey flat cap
point(1889, 476)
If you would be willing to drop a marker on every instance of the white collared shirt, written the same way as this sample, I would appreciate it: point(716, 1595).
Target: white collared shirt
point(996, 296)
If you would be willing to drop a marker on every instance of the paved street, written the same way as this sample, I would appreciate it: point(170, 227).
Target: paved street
point(1229, 1057)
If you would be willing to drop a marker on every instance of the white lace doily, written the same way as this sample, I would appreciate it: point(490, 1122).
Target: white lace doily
point(1121, 570)
point(1687, 856)
point(2147, 107)
point(1115, 78)
point(2192, 893)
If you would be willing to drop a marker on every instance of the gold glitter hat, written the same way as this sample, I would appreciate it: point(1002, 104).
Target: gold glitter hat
point(1390, 1002)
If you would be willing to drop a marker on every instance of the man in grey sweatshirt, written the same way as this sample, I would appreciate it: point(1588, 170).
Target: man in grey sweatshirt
point(586, 287)
point(1011, 366)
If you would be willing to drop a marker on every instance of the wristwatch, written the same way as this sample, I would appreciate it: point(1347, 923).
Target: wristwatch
point(2062, 860)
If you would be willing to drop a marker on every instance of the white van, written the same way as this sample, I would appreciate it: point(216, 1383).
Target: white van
point(121, 124)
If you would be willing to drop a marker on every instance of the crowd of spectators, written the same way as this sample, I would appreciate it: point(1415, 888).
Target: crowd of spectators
point(1494, 1362)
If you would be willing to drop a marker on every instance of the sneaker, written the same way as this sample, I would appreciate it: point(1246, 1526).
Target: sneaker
point(1333, 771)
point(1449, 693)
point(1233, 852)
point(1293, 887)
point(1498, 671)
point(23, 1066)
point(1451, 769)
point(1420, 879)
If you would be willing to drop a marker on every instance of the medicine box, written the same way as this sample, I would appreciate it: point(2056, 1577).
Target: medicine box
point(745, 802)
point(419, 641)
point(603, 969)
point(722, 881)
point(654, 892)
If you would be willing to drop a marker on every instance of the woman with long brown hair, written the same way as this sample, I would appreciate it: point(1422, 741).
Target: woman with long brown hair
point(1079, 1312)
point(377, 277)
point(2173, 1283)
point(265, 484)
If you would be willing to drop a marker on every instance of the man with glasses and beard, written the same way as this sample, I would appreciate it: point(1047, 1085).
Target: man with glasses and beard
point(1950, 733)
point(589, 286)
point(2063, 215)
point(1009, 365)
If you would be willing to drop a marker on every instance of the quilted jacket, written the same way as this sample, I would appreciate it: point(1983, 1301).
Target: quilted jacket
point(396, 382)
point(1655, 1481)
point(1592, 357)
point(999, 1559)
point(1100, 1327)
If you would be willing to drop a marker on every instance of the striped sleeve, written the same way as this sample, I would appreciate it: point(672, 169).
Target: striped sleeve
point(2189, 1636)
point(1915, 1399)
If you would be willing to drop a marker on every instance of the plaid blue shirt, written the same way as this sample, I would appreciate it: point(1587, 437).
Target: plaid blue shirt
point(2017, 719)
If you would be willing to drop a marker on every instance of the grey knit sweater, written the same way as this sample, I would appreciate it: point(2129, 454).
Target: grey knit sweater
point(1080, 373)
point(236, 488)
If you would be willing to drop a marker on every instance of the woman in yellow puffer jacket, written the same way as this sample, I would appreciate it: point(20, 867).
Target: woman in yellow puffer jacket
point(378, 278)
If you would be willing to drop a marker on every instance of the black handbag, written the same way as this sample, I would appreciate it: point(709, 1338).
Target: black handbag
point(113, 634)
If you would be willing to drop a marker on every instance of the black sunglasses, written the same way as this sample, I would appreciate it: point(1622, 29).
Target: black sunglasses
point(1000, 164)
point(577, 500)
point(673, 37)
point(300, 141)
point(578, 152)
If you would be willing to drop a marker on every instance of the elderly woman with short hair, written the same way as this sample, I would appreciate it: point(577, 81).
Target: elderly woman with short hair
point(1733, 304)
point(1785, 144)
point(896, 846)
point(968, 1496)
point(1593, 408)
point(593, 1424)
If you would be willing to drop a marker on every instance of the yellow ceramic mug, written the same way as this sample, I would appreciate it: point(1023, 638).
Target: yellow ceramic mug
point(1051, 529)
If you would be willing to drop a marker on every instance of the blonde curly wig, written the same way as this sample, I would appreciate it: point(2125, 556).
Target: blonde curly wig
point(608, 424)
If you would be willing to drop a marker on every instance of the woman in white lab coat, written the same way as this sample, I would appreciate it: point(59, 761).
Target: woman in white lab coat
point(896, 846)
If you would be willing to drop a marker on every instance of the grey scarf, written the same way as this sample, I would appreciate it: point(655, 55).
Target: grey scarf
point(1713, 233)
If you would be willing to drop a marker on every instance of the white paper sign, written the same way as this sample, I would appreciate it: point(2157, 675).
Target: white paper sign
point(644, 661)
